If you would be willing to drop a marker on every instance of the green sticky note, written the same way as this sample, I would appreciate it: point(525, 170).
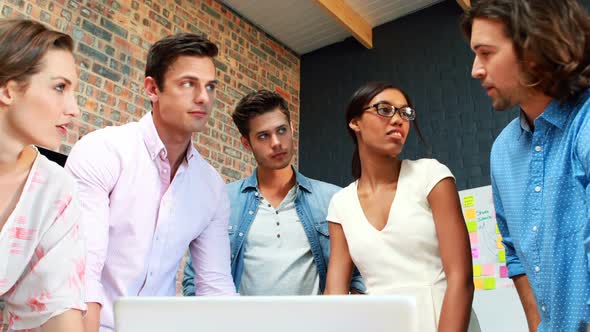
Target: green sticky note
point(497, 229)
point(476, 270)
point(489, 283)
point(502, 256)
point(471, 226)
point(468, 201)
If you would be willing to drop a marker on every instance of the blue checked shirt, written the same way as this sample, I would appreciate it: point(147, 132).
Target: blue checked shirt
point(540, 180)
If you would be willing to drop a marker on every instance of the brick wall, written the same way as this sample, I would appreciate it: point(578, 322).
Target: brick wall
point(112, 39)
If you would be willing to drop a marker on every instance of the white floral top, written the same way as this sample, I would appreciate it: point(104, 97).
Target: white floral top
point(42, 253)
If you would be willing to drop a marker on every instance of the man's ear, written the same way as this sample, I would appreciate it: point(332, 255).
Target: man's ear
point(8, 92)
point(245, 143)
point(151, 89)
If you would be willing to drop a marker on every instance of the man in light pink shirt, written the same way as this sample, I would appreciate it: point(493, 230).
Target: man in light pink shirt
point(148, 195)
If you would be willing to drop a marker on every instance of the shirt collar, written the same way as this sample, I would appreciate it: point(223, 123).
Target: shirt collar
point(152, 140)
point(251, 182)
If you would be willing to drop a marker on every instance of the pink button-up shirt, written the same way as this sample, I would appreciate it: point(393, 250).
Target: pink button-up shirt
point(139, 224)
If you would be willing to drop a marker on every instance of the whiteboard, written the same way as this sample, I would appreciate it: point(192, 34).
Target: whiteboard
point(496, 302)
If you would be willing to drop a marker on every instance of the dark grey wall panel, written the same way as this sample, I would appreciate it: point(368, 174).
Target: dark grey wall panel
point(426, 55)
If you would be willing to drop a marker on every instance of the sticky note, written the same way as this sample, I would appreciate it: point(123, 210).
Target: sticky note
point(497, 229)
point(489, 283)
point(471, 226)
point(502, 256)
point(468, 201)
point(473, 239)
point(478, 283)
point(503, 272)
point(487, 269)
point(477, 270)
point(475, 253)
point(499, 243)
point(469, 214)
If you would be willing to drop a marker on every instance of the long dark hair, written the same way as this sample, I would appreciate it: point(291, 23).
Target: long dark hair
point(552, 34)
point(360, 99)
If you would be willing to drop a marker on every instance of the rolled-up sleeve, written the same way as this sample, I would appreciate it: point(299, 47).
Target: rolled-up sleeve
point(582, 154)
point(513, 264)
point(210, 253)
point(95, 168)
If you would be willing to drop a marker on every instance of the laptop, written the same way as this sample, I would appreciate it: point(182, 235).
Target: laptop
point(267, 314)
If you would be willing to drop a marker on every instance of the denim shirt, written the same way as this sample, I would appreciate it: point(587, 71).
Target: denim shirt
point(311, 203)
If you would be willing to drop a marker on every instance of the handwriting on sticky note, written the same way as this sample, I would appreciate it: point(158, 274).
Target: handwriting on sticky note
point(469, 214)
point(487, 269)
point(478, 283)
point(503, 272)
point(499, 243)
point(471, 226)
point(476, 270)
point(502, 256)
point(489, 283)
point(468, 201)
point(475, 253)
point(473, 239)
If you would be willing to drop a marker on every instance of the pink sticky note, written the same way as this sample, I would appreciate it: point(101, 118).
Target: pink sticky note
point(487, 269)
point(503, 272)
point(473, 238)
point(475, 253)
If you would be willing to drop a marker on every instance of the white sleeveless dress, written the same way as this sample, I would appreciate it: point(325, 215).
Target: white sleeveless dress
point(404, 257)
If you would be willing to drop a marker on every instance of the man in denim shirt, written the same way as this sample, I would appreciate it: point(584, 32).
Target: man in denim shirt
point(278, 231)
point(536, 55)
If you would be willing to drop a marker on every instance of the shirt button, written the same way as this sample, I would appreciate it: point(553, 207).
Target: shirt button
point(278, 223)
point(277, 212)
point(537, 148)
point(537, 189)
point(232, 255)
point(256, 194)
point(250, 212)
point(165, 171)
point(537, 269)
point(543, 308)
point(278, 235)
point(241, 234)
point(535, 228)
point(230, 226)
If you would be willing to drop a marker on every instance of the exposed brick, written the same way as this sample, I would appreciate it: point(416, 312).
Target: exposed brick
point(92, 52)
point(116, 29)
point(106, 73)
point(96, 31)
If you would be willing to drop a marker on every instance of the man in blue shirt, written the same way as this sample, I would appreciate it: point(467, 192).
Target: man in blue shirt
point(536, 55)
point(278, 230)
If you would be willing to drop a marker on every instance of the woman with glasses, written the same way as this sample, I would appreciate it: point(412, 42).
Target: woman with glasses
point(41, 248)
point(400, 221)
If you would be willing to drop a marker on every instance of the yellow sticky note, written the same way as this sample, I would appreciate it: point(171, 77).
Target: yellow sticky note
point(476, 270)
point(502, 256)
point(469, 214)
point(489, 283)
point(478, 283)
point(497, 229)
point(499, 243)
point(471, 226)
point(468, 201)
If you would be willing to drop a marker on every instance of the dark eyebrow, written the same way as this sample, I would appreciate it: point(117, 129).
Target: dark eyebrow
point(68, 82)
point(194, 78)
point(478, 46)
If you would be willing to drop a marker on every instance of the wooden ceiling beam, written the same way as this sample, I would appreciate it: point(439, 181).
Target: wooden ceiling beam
point(465, 4)
point(351, 20)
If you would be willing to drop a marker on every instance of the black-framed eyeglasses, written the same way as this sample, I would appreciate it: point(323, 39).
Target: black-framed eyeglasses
point(387, 110)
